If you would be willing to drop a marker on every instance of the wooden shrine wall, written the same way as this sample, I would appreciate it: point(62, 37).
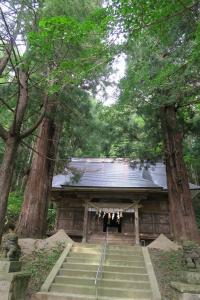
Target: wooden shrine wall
point(153, 217)
point(70, 213)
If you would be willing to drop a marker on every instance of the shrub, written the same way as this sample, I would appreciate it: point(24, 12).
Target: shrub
point(51, 218)
point(14, 207)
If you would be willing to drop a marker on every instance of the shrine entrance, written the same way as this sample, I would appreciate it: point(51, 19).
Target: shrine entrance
point(113, 224)
point(119, 218)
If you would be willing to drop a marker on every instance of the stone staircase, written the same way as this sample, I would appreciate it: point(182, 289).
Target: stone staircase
point(125, 275)
point(113, 238)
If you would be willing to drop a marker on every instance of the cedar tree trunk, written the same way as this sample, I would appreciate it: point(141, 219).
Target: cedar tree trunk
point(180, 200)
point(6, 173)
point(32, 220)
point(12, 139)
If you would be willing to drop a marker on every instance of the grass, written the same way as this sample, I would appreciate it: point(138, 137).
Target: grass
point(38, 265)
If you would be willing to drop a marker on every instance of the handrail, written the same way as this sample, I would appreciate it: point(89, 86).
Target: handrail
point(101, 263)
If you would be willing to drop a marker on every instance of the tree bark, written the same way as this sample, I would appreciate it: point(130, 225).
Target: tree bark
point(6, 172)
point(12, 139)
point(180, 200)
point(32, 220)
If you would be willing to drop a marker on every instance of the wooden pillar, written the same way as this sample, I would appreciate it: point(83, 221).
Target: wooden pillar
point(85, 223)
point(137, 234)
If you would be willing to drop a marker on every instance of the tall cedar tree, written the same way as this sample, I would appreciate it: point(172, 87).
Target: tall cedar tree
point(169, 25)
point(14, 70)
point(76, 48)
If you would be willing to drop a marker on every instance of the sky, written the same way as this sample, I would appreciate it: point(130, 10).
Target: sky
point(111, 92)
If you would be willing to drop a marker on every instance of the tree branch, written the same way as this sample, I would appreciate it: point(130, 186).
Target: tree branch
point(7, 105)
point(11, 38)
point(41, 155)
point(4, 62)
point(22, 102)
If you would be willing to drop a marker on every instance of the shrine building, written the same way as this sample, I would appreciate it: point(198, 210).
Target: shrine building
point(127, 199)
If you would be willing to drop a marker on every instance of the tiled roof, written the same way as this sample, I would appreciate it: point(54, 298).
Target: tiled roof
point(117, 173)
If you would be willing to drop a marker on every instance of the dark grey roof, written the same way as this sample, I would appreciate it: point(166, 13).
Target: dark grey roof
point(117, 173)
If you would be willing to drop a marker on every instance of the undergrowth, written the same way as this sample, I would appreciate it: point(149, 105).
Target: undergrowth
point(167, 266)
point(38, 265)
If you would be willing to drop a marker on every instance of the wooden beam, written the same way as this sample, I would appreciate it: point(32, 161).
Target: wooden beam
point(137, 234)
point(85, 223)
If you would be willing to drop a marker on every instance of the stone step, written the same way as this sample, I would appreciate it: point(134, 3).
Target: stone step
point(85, 250)
point(135, 253)
point(112, 235)
point(125, 248)
point(109, 256)
point(89, 261)
point(102, 291)
point(117, 298)
point(125, 276)
point(77, 273)
point(105, 274)
point(74, 280)
point(124, 284)
point(87, 245)
point(125, 269)
point(78, 266)
point(73, 289)
point(113, 242)
point(62, 296)
point(124, 263)
point(84, 255)
point(110, 260)
point(107, 283)
point(120, 238)
point(125, 293)
point(124, 257)
point(117, 238)
point(106, 268)
point(101, 238)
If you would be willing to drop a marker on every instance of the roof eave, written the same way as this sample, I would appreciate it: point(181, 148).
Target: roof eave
point(113, 189)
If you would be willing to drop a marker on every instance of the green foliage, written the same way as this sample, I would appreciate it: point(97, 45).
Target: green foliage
point(51, 219)
point(65, 50)
point(115, 131)
point(196, 203)
point(80, 10)
point(162, 49)
point(72, 50)
point(14, 207)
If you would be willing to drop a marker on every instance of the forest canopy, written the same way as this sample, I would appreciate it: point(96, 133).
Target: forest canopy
point(54, 55)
